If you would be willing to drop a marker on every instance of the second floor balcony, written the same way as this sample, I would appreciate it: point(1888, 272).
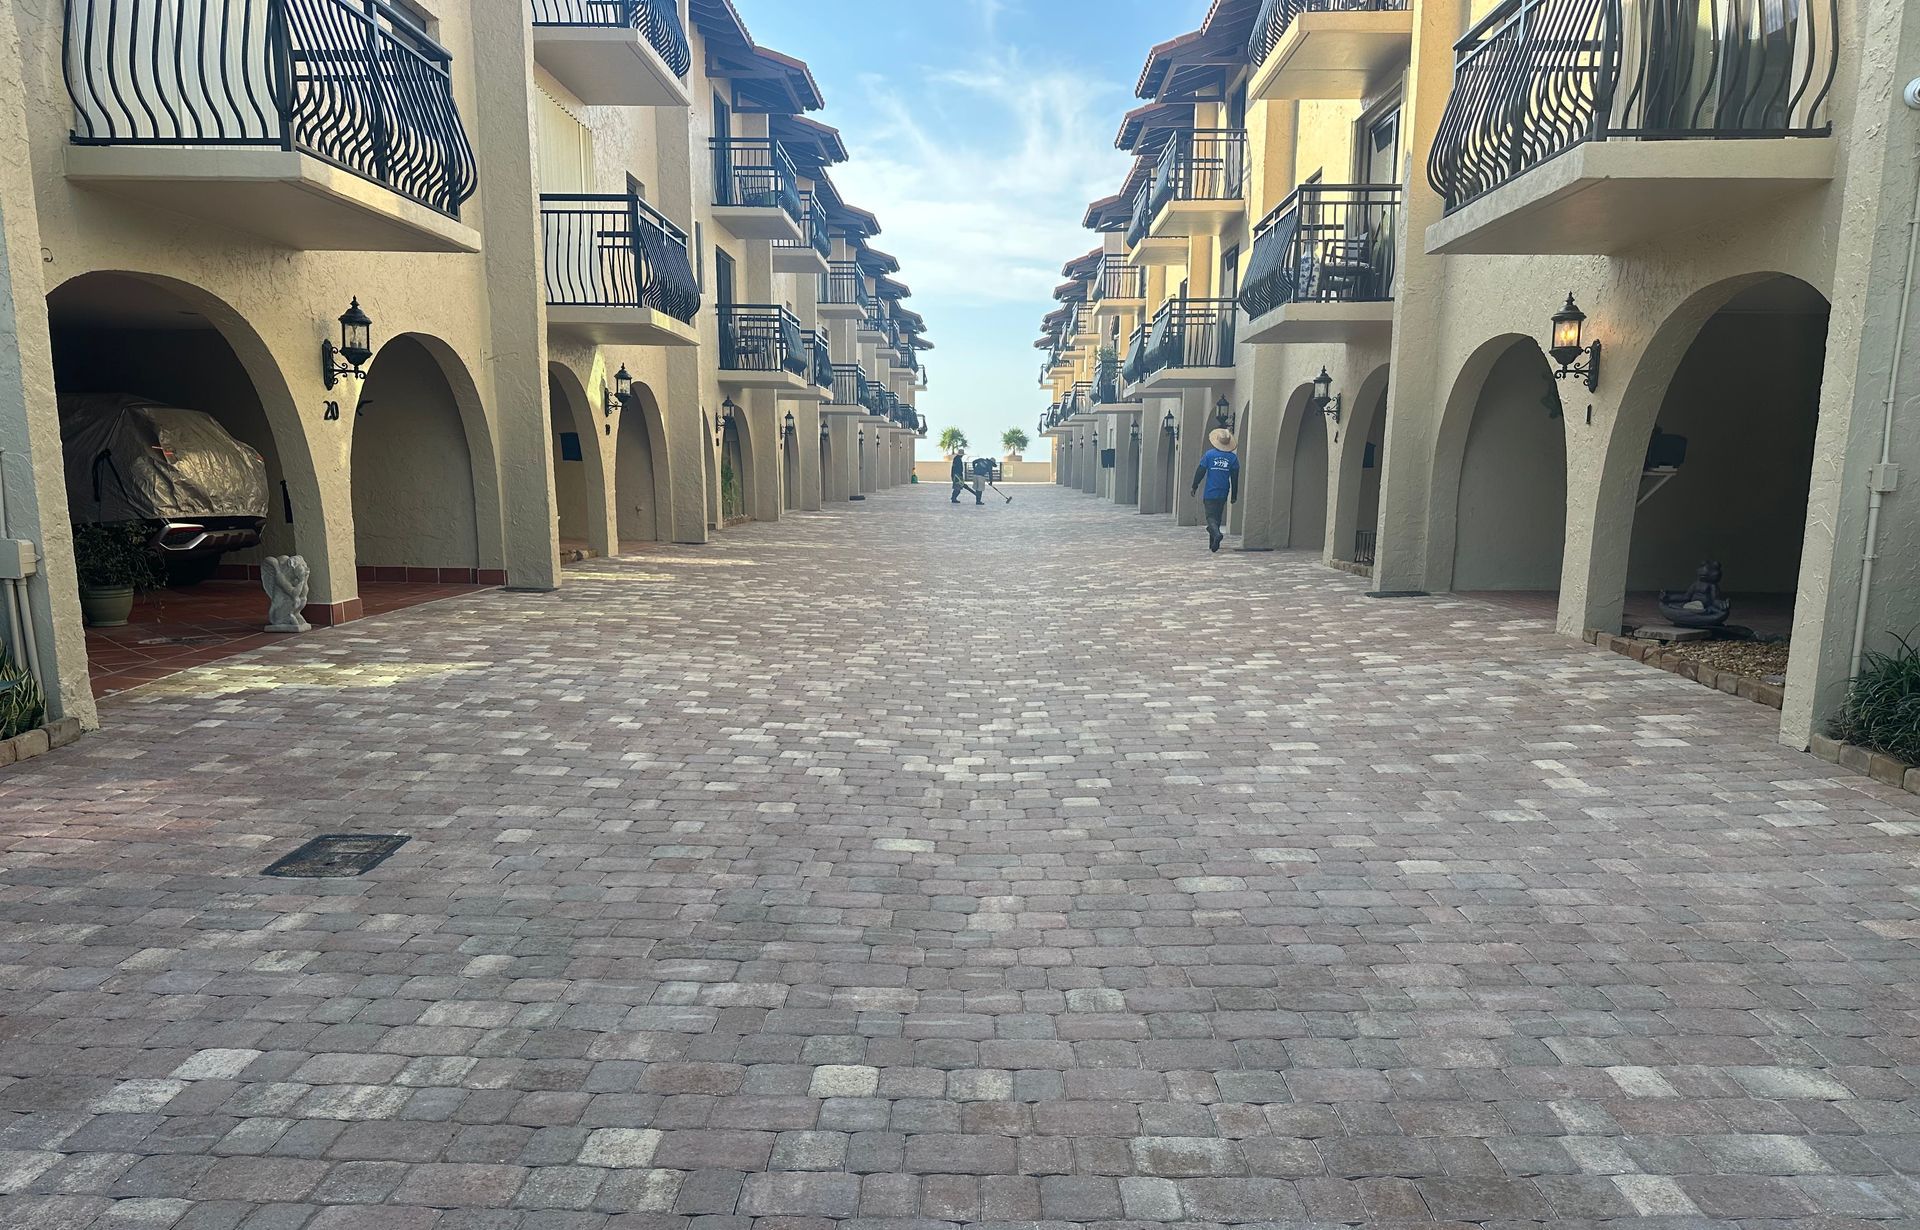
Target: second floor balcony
point(843, 292)
point(1584, 127)
point(323, 125)
point(812, 253)
point(614, 53)
point(1345, 49)
point(1322, 268)
point(1118, 286)
point(763, 346)
point(756, 191)
point(849, 391)
point(617, 272)
point(1188, 344)
point(820, 362)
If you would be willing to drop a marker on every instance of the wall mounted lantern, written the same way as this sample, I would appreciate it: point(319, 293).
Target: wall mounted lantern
point(350, 357)
point(1223, 414)
point(621, 395)
point(1135, 431)
point(792, 426)
point(863, 437)
point(826, 433)
point(1170, 427)
point(1567, 350)
point(1324, 399)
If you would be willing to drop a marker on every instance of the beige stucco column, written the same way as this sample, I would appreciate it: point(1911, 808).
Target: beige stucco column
point(517, 352)
point(1414, 401)
point(1196, 420)
point(36, 489)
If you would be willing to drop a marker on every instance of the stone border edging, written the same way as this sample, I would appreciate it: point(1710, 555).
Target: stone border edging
point(39, 741)
point(1654, 654)
point(1882, 768)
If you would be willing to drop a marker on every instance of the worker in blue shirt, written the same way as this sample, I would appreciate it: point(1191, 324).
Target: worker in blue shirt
point(1220, 471)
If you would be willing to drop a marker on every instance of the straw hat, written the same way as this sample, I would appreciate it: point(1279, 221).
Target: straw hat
point(1221, 439)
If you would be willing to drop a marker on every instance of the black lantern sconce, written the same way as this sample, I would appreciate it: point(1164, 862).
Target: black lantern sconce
point(620, 397)
point(1324, 399)
point(1135, 431)
point(1566, 350)
point(350, 357)
point(863, 437)
point(1171, 428)
point(826, 433)
point(1223, 414)
point(792, 426)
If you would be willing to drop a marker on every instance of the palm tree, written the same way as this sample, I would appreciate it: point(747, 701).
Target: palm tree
point(952, 440)
point(1015, 442)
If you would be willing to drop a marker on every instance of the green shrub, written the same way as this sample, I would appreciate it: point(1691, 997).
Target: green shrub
point(116, 555)
point(1883, 705)
point(732, 499)
point(22, 707)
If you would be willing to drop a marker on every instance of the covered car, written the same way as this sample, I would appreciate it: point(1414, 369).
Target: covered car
point(131, 458)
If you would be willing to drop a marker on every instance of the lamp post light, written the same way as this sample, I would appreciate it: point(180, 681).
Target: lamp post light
point(350, 357)
point(1568, 323)
point(1324, 399)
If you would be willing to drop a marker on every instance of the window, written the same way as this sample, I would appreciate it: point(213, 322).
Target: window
point(722, 278)
point(1377, 152)
point(1230, 274)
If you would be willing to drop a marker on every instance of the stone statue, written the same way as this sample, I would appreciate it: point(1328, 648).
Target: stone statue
point(1701, 605)
point(284, 577)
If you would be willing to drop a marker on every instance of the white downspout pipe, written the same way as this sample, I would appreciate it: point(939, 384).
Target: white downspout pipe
point(1881, 481)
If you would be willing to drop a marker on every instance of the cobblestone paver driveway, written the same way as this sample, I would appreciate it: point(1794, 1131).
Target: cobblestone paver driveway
point(916, 864)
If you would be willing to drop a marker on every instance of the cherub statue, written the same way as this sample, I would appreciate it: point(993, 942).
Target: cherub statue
point(1701, 605)
point(285, 577)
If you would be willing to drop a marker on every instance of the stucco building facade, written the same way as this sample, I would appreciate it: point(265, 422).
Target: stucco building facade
point(1359, 228)
point(615, 296)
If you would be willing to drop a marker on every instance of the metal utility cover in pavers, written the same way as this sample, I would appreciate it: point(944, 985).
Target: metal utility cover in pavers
point(336, 856)
point(779, 881)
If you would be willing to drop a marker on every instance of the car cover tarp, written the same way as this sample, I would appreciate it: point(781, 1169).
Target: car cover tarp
point(131, 459)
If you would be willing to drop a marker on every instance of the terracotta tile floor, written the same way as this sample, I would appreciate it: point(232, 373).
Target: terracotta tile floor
point(174, 629)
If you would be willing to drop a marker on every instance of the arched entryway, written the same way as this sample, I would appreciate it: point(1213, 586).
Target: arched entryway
point(1307, 486)
point(579, 481)
point(735, 476)
point(416, 490)
point(1500, 476)
point(642, 477)
point(1362, 457)
point(789, 464)
point(1711, 456)
point(829, 486)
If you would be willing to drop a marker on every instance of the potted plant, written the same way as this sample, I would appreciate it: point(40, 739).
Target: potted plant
point(1015, 442)
point(114, 561)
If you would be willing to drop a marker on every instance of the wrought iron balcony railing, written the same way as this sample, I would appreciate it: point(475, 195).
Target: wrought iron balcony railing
point(756, 337)
point(1277, 16)
point(821, 358)
point(1202, 164)
point(755, 172)
point(815, 232)
point(616, 251)
point(844, 284)
point(1141, 220)
point(1118, 280)
point(1327, 243)
point(849, 384)
point(354, 83)
point(1191, 333)
point(1363, 546)
point(657, 21)
point(1537, 77)
point(874, 398)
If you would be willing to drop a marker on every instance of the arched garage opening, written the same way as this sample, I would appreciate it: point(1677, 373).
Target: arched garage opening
point(415, 494)
point(578, 480)
point(642, 483)
point(120, 336)
point(1711, 458)
point(1500, 479)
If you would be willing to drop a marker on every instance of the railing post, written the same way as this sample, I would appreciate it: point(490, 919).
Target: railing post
point(280, 40)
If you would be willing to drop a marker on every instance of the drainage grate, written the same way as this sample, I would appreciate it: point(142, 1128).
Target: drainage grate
point(337, 856)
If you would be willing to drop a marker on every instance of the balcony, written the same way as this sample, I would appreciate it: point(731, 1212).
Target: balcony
point(1118, 287)
point(1322, 266)
point(813, 252)
point(617, 273)
point(331, 127)
point(849, 391)
point(756, 193)
point(763, 347)
point(614, 53)
point(819, 363)
point(1189, 345)
point(1308, 49)
point(1587, 127)
point(843, 292)
point(876, 327)
point(1198, 187)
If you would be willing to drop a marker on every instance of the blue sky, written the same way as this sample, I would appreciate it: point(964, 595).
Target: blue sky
point(979, 146)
